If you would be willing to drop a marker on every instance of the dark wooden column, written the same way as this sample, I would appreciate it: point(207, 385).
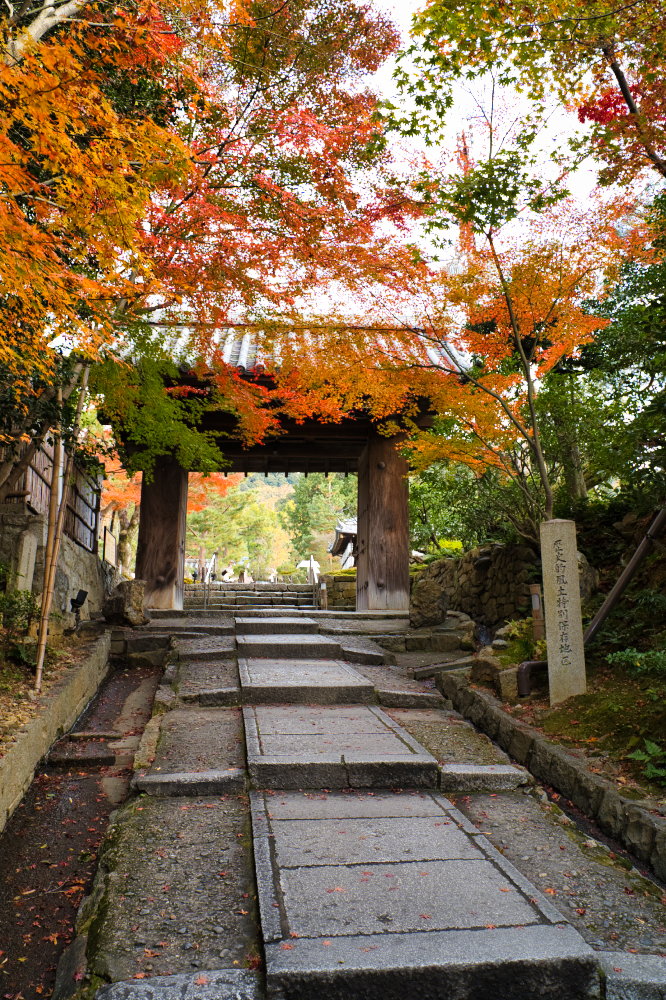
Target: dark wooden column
point(382, 572)
point(160, 554)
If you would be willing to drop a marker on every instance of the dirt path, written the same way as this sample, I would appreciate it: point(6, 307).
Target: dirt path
point(48, 851)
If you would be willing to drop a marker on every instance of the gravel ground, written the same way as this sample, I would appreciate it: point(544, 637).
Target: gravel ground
point(608, 902)
point(448, 737)
point(198, 739)
point(193, 678)
point(363, 626)
point(175, 890)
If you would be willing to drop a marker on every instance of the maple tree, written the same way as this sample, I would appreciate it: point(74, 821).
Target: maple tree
point(194, 162)
point(604, 58)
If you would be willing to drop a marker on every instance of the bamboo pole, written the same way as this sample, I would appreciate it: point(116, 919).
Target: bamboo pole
point(49, 588)
point(53, 507)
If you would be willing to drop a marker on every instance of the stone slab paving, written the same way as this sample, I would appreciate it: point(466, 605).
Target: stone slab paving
point(209, 648)
point(333, 747)
point(285, 624)
point(363, 895)
point(633, 977)
point(324, 682)
point(206, 683)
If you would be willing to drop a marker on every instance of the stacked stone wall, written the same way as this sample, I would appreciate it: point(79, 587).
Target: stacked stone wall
point(341, 591)
point(491, 583)
point(77, 570)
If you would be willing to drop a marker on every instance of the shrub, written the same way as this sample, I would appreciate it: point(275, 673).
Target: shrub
point(651, 661)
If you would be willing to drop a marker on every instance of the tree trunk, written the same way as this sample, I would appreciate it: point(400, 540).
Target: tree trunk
point(128, 526)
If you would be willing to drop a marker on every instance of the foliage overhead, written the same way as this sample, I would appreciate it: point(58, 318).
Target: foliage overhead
point(604, 58)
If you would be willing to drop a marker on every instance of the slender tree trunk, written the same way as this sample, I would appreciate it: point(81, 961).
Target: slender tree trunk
point(128, 526)
point(47, 600)
point(534, 441)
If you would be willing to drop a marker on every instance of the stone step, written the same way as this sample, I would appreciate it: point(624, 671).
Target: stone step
point(283, 625)
point(257, 586)
point(209, 648)
point(294, 646)
point(325, 616)
point(208, 683)
point(398, 896)
point(180, 626)
point(321, 682)
point(333, 747)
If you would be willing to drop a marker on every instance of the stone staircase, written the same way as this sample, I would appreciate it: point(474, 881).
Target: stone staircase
point(229, 596)
point(370, 883)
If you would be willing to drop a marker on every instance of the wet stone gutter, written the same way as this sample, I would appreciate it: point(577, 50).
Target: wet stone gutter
point(634, 826)
point(58, 708)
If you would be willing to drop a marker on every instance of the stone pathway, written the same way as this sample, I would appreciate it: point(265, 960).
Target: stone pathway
point(332, 787)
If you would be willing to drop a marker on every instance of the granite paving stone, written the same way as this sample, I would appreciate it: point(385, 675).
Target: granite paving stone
point(284, 624)
point(369, 899)
point(374, 755)
point(539, 963)
point(321, 681)
point(353, 805)
point(294, 646)
point(355, 892)
point(396, 690)
point(278, 720)
point(634, 977)
point(366, 840)
point(211, 625)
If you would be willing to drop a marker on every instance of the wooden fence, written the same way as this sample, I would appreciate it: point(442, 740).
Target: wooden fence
point(83, 504)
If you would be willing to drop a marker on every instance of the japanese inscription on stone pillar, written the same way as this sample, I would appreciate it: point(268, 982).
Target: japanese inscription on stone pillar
point(564, 628)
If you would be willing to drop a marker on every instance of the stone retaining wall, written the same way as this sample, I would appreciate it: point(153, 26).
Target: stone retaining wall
point(341, 591)
point(57, 711)
point(77, 570)
point(639, 830)
point(491, 583)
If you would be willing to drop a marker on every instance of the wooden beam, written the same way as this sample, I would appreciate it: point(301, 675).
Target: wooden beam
point(382, 572)
point(160, 554)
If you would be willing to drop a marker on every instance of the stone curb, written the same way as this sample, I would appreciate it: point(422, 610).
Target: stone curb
point(633, 977)
point(58, 709)
point(482, 777)
point(643, 834)
point(218, 984)
point(191, 783)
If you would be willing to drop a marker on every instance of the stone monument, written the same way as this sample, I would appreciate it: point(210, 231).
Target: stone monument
point(564, 628)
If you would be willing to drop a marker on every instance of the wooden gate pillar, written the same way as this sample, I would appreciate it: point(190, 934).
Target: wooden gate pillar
point(160, 554)
point(382, 571)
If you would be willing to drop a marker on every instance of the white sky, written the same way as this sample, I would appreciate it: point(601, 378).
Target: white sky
point(561, 124)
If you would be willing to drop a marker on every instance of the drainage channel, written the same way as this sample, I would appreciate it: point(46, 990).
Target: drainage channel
point(48, 850)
